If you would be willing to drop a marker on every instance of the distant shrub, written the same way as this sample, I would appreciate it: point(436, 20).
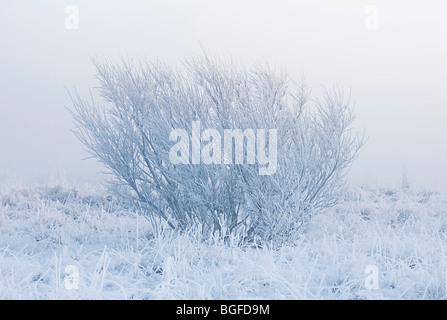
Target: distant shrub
point(145, 102)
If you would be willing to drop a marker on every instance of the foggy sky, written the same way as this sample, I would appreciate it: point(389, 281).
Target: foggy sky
point(397, 73)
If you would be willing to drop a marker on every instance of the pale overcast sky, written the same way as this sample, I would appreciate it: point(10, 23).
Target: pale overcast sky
point(393, 60)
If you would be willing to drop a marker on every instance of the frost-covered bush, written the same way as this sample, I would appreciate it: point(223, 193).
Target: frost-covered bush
point(131, 134)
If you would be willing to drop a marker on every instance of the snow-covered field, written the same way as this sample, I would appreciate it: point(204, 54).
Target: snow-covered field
point(48, 233)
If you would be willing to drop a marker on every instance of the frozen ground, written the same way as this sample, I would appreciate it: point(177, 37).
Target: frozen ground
point(47, 232)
